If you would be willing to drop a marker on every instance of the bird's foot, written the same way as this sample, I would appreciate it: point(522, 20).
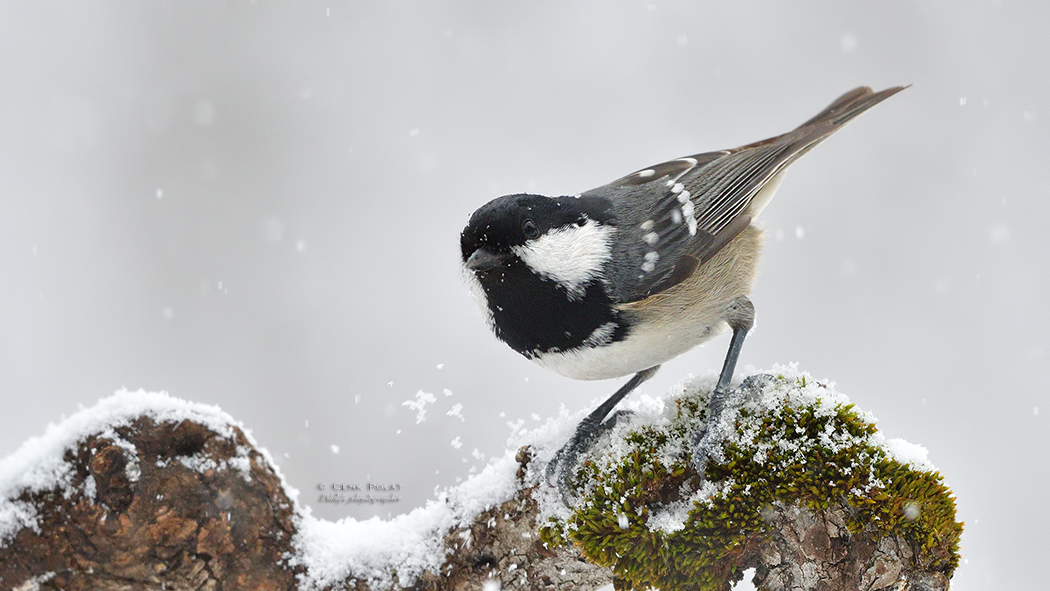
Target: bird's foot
point(709, 440)
point(563, 464)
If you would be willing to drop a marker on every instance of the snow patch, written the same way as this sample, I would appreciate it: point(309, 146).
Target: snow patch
point(371, 549)
point(910, 454)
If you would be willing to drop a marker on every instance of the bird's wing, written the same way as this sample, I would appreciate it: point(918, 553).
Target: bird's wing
point(676, 215)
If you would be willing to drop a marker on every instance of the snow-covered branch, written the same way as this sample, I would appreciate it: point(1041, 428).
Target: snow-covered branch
point(144, 491)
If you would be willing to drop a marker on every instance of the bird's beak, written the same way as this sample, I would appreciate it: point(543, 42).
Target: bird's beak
point(483, 260)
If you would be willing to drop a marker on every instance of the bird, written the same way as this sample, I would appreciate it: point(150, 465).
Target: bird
point(619, 279)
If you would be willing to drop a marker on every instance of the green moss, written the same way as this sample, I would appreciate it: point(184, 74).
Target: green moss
point(815, 455)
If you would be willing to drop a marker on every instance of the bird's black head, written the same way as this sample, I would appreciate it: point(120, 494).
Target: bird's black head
point(537, 266)
point(498, 230)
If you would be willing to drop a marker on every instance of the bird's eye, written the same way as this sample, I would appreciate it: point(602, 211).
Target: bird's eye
point(530, 229)
point(581, 222)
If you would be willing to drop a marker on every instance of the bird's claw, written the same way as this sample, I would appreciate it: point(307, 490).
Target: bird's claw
point(563, 463)
point(706, 443)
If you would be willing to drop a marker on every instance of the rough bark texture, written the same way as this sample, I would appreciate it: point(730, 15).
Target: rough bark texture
point(172, 527)
point(816, 551)
point(165, 525)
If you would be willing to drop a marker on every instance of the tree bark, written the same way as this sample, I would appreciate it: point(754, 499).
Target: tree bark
point(809, 550)
point(154, 522)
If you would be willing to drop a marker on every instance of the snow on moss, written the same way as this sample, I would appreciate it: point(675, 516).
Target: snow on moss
point(783, 438)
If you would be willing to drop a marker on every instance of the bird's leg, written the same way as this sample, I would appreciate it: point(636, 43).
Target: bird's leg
point(561, 465)
point(740, 315)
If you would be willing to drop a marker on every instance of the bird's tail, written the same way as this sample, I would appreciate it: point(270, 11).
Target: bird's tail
point(843, 109)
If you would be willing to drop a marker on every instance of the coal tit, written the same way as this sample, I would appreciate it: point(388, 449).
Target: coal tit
point(624, 277)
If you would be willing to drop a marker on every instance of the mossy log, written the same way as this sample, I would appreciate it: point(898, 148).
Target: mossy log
point(801, 492)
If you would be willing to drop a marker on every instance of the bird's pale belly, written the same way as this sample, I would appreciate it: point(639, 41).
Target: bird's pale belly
point(643, 348)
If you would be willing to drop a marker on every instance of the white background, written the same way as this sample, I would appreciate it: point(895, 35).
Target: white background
point(257, 205)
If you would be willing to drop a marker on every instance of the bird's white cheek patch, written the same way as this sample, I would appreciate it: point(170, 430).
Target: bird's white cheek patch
point(573, 256)
point(478, 295)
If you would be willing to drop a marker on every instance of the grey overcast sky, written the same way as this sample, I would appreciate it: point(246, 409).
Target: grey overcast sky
point(257, 205)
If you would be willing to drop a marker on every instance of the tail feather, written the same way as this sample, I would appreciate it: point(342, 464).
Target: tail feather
point(845, 108)
point(840, 112)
